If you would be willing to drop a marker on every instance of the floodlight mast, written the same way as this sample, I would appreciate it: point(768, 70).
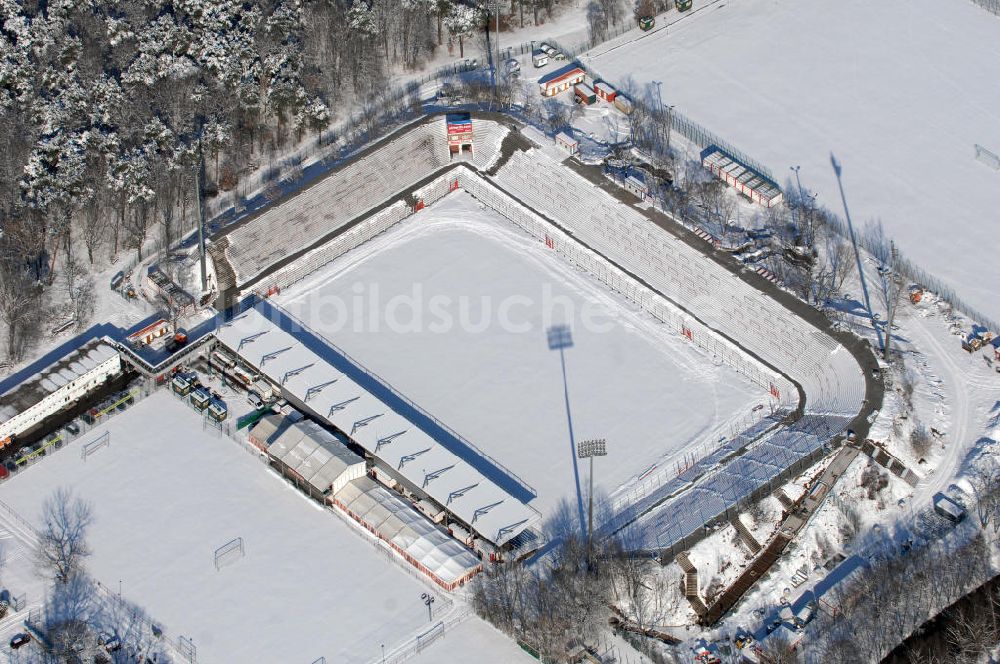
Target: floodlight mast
point(588, 449)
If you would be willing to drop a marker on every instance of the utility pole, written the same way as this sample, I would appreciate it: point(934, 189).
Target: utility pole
point(659, 101)
point(493, 6)
point(588, 449)
point(670, 126)
point(801, 204)
point(893, 294)
point(198, 181)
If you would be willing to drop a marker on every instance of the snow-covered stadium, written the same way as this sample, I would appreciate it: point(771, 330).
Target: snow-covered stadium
point(671, 479)
point(454, 311)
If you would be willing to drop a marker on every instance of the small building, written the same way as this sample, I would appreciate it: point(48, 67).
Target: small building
point(948, 508)
point(458, 128)
point(56, 387)
point(217, 410)
point(584, 93)
point(623, 103)
point(180, 385)
point(561, 80)
point(605, 92)
point(539, 58)
point(744, 179)
point(200, 398)
point(150, 333)
point(568, 143)
point(636, 187)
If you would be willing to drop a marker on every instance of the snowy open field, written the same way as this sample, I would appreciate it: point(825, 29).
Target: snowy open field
point(166, 493)
point(494, 379)
point(899, 91)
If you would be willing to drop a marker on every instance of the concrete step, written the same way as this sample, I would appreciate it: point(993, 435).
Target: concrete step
point(746, 536)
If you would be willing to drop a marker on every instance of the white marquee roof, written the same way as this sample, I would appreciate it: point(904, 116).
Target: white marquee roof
point(384, 433)
point(396, 520)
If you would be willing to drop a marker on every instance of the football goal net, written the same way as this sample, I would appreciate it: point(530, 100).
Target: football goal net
point(229, 553)
point(104, 440)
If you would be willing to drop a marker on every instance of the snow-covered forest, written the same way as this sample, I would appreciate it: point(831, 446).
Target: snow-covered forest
point(106, 108)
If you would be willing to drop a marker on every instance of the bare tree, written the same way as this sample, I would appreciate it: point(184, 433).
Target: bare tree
point(986, 490)
point(70, 616)
point(62, 541)
point(19, 309)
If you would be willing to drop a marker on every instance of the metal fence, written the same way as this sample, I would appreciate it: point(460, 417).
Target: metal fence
point(421, 641)
point(721, 350)
point(61, 439)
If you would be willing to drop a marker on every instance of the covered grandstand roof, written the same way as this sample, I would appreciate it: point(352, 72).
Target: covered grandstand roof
point(396, 521)
point(308, 449)
point(383, 432)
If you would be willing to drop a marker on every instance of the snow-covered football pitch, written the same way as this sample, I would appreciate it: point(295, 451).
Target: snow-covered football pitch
point(454, 308)
point(166, 493)
point(900, 91)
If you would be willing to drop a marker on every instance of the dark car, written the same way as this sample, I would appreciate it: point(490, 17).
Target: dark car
point(19, 640)
point(73, 428)
point(90, 416)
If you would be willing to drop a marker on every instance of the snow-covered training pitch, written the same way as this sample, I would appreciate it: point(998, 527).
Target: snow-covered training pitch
point(167, 493)
point(454, 307)
point(897, 91)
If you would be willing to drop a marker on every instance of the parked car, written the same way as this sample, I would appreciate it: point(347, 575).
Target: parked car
point(20, 639)
point(73, 428)
point(254, 400)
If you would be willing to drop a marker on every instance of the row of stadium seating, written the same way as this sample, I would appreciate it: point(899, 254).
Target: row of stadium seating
point(357, 187)
point(831, 379)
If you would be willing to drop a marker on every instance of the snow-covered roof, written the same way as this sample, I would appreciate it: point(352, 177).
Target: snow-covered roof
point(603, 87)
point(396, 520)
point(566, 138)
point(62, 372)
point(311, 451)
point(384, 433)
point(569, 71)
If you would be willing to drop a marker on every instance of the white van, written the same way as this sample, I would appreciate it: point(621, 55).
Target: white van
point(539, 58)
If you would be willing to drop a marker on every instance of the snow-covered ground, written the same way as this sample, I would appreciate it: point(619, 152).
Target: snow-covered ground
point(898, 91)
point(955, 392)
point(166, 493)
point(472, 300)
point(472, 640)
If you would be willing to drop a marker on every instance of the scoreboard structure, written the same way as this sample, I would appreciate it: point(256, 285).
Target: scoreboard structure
point(459, 130)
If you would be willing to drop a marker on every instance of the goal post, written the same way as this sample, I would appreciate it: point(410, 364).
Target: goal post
point(229, 553)
point(104, 440)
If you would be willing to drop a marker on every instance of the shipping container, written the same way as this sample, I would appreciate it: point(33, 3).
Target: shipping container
point(584, 93)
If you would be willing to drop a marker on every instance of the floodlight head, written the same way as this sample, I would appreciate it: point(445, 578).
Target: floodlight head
point(560, 336)
point(592, 448)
